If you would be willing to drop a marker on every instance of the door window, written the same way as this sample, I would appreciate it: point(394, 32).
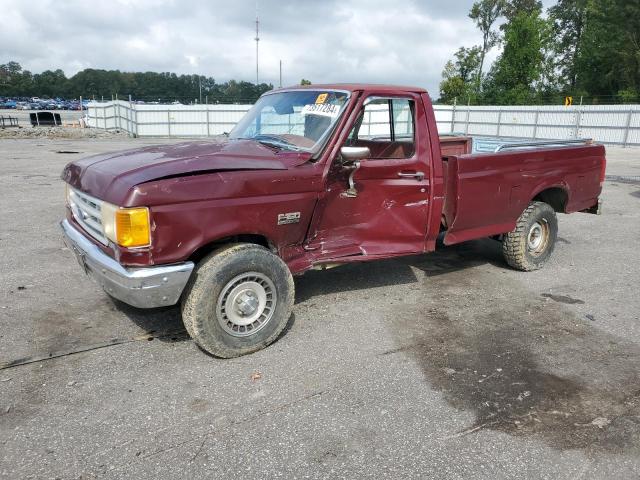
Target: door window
point(386, 126)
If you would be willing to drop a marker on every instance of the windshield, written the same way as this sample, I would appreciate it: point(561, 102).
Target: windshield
point(297, 120)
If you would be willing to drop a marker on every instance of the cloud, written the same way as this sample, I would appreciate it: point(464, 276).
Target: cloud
point(405, 42)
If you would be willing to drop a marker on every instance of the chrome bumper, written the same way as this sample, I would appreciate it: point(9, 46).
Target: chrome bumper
point(147, 287)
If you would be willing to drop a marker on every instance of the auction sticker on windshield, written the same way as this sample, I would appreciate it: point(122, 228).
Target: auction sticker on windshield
point(322, 109)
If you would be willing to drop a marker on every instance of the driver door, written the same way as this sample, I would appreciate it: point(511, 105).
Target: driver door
point(385, 213)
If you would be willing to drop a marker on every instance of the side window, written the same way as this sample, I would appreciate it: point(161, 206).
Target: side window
point(376, 125)
point(403, 120)
point(386, 126)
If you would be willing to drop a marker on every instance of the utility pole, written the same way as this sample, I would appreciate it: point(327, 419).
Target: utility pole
point(200, 87)
point(257, 39)
point(280, 73)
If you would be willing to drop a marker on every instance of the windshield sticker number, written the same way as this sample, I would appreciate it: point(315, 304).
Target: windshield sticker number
point(322, 98)
point(322, 109)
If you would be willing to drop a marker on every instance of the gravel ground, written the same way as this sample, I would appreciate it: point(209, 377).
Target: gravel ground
point(53, 133)
point(68, 117)
point(447, 365)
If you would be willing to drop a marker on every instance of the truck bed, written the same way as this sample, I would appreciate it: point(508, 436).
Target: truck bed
point(486, 192)
point(455, 145)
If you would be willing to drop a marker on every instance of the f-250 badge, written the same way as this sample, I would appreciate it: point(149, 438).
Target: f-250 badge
point(287, 218)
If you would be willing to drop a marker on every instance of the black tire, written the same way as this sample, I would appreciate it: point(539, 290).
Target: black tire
point(520, 247)
point(204, 313)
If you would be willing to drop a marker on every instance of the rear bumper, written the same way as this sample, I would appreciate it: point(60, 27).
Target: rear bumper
point(596, 209)
point(147, 287)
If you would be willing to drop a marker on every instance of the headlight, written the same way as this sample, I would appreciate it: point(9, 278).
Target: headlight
point(128, 227)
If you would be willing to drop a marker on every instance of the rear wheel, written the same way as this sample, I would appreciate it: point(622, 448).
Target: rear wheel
point(531, 243)
point(238, 301)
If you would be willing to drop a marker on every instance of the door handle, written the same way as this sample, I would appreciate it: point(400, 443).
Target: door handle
point(417, 175)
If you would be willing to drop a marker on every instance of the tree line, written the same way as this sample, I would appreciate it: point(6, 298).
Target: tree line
point(585, 49)
point(147, 86)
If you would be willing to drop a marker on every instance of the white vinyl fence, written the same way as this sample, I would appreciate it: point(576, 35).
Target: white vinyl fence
point(610, 124)
point(145, 120)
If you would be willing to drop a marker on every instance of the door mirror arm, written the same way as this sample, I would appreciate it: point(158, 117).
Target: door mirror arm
point(351, 191)
point(351, 158)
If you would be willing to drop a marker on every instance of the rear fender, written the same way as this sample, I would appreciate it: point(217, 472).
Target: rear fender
point(556, 195)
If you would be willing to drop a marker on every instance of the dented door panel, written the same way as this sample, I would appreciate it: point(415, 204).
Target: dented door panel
point(389, 214)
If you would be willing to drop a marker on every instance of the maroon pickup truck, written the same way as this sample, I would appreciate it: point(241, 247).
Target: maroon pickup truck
point(311, 177)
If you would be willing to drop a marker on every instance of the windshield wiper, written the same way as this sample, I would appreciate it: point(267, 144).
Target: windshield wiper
point(280, 145)
point(266, 136)
point(272, 145)
point(272, 140)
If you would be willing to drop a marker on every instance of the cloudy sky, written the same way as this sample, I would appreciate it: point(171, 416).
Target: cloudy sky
point(381, 41)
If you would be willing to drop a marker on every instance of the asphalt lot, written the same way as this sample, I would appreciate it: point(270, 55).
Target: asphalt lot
point(448, 365)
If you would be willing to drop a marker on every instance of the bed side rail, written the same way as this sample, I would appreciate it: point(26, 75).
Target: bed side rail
point(542, 143)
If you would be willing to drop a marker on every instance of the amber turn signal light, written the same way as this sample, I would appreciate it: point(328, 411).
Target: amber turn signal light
point(132, 227)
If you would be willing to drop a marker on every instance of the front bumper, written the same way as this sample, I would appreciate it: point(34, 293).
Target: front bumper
point(147, 287)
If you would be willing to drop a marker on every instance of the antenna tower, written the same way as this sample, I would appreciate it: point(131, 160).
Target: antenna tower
point(257, 39)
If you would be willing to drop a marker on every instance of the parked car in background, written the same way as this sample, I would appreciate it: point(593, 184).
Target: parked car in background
point(37, 103)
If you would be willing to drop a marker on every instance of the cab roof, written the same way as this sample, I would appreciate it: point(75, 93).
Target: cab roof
point(352, 87)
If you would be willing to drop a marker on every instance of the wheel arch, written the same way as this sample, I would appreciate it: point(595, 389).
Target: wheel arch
point(212, 245)
point(556, 196)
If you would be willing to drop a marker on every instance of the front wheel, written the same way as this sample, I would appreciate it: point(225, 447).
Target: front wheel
point(238, 301)
point(531, 243)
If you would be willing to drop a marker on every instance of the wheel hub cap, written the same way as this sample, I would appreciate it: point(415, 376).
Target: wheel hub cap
point(538, 237)
point(246, 304)
point(535, 236)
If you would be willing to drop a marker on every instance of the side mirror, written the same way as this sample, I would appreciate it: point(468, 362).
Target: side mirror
point(351, 154)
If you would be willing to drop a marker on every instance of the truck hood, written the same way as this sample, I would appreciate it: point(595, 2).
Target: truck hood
point(110, 175)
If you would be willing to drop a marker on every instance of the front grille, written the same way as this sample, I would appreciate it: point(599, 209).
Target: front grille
point(87, 211)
